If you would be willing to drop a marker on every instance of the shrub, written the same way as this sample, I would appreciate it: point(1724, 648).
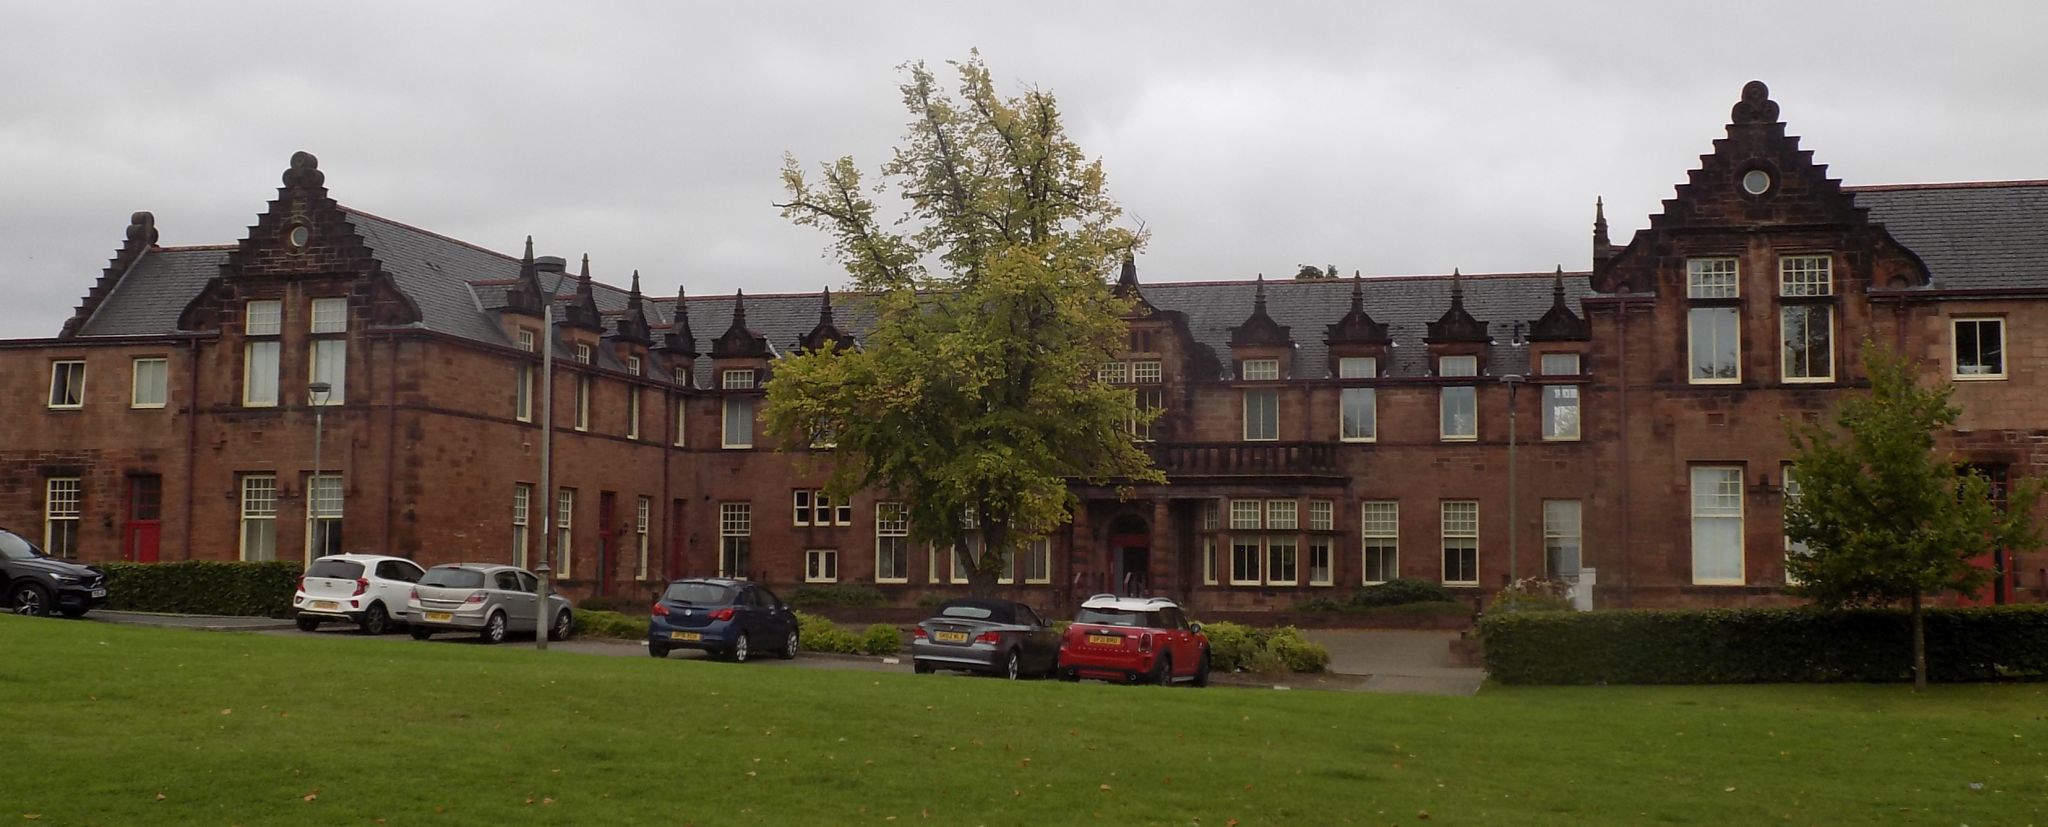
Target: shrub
point(243, 589)
point(881, 639)
point(609, 625)
point(835, 597)
point(1230, 646)
point(613, 603)
point(820, 634)
point(1533, 594)
point(1397, 592)
point(1234, 647)
point(1761, 645)
point(1266, 662)
point(1321, 604)
point(931, 601)
point(1296, 652)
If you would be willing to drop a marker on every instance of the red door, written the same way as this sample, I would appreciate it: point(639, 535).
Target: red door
point(144, 529)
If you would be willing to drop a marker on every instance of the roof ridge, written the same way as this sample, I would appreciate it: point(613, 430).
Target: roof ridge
point(1951, 185)
point(1369, 279)
point(180, 248)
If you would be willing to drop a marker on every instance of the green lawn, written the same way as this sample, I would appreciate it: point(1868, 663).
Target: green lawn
point(104, 724)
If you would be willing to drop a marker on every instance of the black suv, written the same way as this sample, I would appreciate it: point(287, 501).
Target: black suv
point(38, 584)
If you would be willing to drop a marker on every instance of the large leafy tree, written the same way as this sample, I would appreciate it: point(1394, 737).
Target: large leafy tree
point(1884, 515)
point(973, 397)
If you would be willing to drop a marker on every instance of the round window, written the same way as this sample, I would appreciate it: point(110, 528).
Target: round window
point(299, 236)
point(1756, 182)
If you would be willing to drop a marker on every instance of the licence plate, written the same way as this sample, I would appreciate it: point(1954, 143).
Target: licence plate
point(324, 604)
point(1105, 640)
point(99, 592)
point(440, 616)
point(685, 636)
point(950, 637)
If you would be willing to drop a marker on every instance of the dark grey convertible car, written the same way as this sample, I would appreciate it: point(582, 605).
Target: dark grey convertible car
point(984, 634)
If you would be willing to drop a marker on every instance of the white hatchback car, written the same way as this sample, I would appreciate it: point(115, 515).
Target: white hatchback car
point(368, 590)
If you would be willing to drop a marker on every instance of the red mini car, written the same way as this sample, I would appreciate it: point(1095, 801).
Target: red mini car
point(1133, 640)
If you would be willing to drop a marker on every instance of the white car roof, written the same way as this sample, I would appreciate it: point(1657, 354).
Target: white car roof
point(1128, 604)
point(361, 558)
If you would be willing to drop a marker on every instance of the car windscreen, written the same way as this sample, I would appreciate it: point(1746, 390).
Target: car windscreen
point(15, 547)
point(453, 578)
point(338, 569)
point(698, 594)
point(1114, 617)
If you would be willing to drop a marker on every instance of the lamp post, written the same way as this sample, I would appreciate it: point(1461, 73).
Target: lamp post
point(547, 485)
point(316, 396)
point(1513, 381)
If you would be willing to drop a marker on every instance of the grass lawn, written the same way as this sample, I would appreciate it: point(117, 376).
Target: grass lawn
point(115, 725)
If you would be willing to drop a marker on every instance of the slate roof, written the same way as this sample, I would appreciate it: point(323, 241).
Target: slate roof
point(1971, 235)
point(147, 302)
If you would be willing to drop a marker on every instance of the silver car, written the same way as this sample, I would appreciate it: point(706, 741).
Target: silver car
point(985, 634)
point(486, 598)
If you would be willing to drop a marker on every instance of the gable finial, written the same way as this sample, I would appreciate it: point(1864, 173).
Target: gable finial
point(585, 275)
point(825, 308)
point(1457, 287)
point(1357, 292)
point(1557, 286)
point(1259, 294)
point(635, 292)
point(1129, 276)
point(739, 307)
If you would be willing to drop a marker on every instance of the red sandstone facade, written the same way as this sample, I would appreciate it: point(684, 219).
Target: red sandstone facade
point(1316, 435)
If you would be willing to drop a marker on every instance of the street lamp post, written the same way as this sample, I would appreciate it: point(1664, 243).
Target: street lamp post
point(1513, 381)
point(547, 484)
point(316, 395)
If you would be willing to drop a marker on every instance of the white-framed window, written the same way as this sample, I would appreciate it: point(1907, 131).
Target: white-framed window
point(1038, 561)
point(738, 380)
point(682, 375)
point(1262, 415)
point(1146, 373)
point(1806, 333)
point(583, 353)
point(892, 543)
point(522, 506)
point(632, 412)
point(814, 507)
point(1458, 406)
point(1283, 515)
point(260, 355)
point(1209, 560)
point(329, 316)
point(1263, 555)
point(1714, 340)
point(1262, 370)
point(1244, 515)
point(1792, 548)
point(682, 421)
point(149, 385)
point(1283, 553)
point(1979, 348)
point(735, 538)
point(1717, 525)
point(583, 403)
point(1212, 515)
point(1112, 373)
point(1806, 276)
point(526, 341)
point(1146, 400)
point(641, 518)
point(565, 515)
point(61, 497)
point(1461, 542)
point(633, 365)
point(1380, 540)
point(522, 403)
point(1560, 364)
point(67, 385)
point(958, 562)
point(1712, 278)
point(1358, 367)
point(1561, 551)
point(800, 506)
point(821, 565)
point(1245, 550)
point(1560, 402)
point(329, 363)
point(1358, 415)
point(259, 517)
point(1320, 572)
point(738, 430)
point(324, 498)
point(1321, 516)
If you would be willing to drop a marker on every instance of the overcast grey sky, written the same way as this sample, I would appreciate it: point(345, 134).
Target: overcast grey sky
point(1250, 137)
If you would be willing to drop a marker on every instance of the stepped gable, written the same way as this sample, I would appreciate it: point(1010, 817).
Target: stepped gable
point(1559, 323)
point(140, 241)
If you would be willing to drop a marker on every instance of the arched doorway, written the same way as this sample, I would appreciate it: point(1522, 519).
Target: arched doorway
point(1130, 555)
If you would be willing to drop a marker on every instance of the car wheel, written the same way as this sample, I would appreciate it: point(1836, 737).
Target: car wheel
point(1013, 666)
point(1070, 676)
point(657, 650)
point(1162, 670)
point(307, 624)
point(1202, 670)
point(739, 649)
point(376, 621)
point(920, 667)
point(421, 634)
point(494, 629)
point(30, 599)
point(789, 646)
point(561, 627)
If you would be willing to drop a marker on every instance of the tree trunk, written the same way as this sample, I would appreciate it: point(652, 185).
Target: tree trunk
point(1919, 647)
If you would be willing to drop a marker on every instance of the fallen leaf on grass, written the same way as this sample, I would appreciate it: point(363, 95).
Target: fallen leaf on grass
point(31, 816)
point(159, 796)
point(310, 796)
point(1424, 815)
point(1105, 788)
point(227, 712)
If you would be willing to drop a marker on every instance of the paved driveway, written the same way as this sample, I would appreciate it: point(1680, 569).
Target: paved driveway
point(1398, 660)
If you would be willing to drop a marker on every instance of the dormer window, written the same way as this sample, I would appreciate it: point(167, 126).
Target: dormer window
point(1358, 367)
point(1262, 370)
point(738, 380)
point(633, 365)
point(583, 353)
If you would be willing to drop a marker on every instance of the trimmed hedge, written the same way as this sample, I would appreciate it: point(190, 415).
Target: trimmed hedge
point(202, 587)
point(597, 623)
point(835, 597)
point(1397, 592)
point(1762, 645)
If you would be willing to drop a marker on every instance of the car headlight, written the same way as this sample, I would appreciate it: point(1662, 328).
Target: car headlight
point(66, 578)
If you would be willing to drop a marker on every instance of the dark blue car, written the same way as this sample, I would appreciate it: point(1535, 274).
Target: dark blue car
point(728, 618)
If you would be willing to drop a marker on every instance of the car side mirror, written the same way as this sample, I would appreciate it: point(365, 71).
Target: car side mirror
point(1195, 628)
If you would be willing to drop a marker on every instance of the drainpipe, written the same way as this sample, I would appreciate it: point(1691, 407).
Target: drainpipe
point(391, 440)
point(1621, 379)
point(191, 439)
point(668, 519)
